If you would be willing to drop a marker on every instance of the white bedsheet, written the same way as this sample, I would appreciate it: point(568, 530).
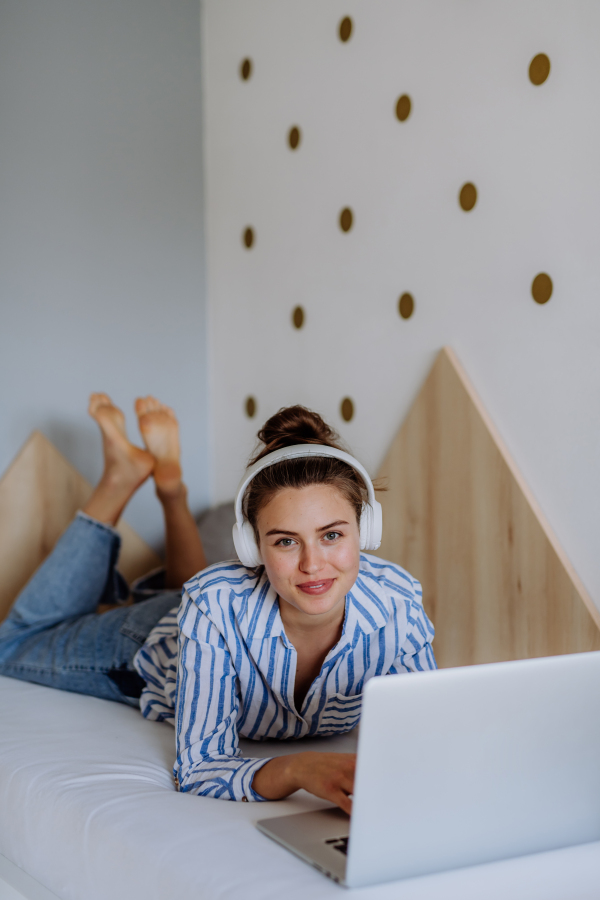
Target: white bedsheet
point(88, 808)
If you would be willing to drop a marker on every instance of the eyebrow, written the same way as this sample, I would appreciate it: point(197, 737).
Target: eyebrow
point(295, 533)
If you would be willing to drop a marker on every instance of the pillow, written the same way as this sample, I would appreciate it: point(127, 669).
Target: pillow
point(215, 527)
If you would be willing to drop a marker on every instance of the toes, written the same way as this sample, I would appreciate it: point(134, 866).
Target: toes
point(162, 408)
point(154, 404)
point(97, 400)
point(144, 405)
point(150, 404)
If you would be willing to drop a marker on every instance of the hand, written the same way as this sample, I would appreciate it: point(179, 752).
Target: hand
point(326, 775)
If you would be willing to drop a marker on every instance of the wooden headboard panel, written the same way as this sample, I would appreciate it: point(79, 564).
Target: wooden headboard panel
point(40, 492)
point(459, 516)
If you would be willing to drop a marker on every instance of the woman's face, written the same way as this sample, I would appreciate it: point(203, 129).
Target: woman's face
point(310, 545)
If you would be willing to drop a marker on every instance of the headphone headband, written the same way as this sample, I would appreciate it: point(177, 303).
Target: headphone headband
point(243, 534)
point(298, 451)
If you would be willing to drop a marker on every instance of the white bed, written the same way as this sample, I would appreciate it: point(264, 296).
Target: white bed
point(88, 810)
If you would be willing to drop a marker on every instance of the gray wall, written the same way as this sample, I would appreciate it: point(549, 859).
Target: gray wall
point(101, 265)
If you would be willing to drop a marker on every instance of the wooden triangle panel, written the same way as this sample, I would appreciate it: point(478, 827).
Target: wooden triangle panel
point(39, 494)
point(460, 518)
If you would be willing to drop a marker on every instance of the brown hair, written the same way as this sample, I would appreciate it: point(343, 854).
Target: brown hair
point(298, 425)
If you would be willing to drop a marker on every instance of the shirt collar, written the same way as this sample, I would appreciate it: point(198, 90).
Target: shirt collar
point(365, 610)
point(264, 619)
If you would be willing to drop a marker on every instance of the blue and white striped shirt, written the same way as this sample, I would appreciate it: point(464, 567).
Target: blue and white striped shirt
point(233, 672)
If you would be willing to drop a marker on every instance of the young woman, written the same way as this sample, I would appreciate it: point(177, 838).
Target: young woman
point(281, 648)
point(278, 648)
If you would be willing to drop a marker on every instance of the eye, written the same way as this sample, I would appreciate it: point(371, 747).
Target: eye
point(284, 542)
point(332, 535)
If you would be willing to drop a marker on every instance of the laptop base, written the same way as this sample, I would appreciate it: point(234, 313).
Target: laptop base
point(317, 837)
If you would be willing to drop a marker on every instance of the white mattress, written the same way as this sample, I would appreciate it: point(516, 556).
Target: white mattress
point(88, 809)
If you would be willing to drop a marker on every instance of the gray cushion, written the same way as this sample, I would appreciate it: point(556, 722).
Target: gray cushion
point(215, 527)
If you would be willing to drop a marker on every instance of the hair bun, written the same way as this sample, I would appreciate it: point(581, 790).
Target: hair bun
point(295, 425)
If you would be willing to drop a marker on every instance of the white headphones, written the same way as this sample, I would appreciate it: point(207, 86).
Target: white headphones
point(243, 533)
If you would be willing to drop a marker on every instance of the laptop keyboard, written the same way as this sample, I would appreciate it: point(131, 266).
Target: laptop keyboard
point(340, 844)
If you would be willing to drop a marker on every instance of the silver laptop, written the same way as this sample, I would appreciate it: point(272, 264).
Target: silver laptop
point(460, 767)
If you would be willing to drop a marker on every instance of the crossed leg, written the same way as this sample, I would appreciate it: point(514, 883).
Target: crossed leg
point(160, 431)
point(52, 634)
point(126, 467)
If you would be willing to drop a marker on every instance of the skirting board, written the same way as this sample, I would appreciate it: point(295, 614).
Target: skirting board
point(40, 492)
point(459, 516)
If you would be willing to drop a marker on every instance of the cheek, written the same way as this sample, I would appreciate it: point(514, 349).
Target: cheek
point(279, 567)
point(346, 557)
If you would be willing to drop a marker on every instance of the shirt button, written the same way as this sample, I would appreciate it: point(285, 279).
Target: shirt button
point(244, 799)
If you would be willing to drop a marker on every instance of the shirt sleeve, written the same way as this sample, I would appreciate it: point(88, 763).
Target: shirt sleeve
point(207, 706)
point(416, 654)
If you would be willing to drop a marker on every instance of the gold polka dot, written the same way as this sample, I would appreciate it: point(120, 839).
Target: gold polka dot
point(298, 317)
point(406, 306)
point(468, 196)
point(541, 288)
point(403, 107)
point(245, 69)
point(347, 409)
point(248, 238)
point(250, 407)
point(346, 219)
point(539, 69)
point(345, 29)
point(294, 137)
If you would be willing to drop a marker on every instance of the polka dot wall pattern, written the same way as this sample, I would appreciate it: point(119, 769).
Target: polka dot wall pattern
point(406, 305)
point(468, 196)
point(346, 219)
point(345, 29)
point(347, 409)
point(276, 218)
point(541, 288)
point(298, 317)
point(245, 69)
point(539, 69)
point(294, 137)
point(403, 108)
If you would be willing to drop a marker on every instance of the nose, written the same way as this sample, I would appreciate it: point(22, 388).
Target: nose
point(311, 559)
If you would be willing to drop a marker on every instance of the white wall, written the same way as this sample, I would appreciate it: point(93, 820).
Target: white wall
point(531, 151)
point(101, 243)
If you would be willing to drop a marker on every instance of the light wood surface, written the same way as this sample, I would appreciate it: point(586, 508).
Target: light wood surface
point(459, 516)
point(39, 494)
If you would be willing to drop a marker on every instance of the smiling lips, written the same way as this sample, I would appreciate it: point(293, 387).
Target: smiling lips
point(316, 587)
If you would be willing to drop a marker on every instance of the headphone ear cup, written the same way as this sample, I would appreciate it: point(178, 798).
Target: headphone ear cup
point(365, 527)
point(245, 545)
point(371, 526)
point(376, 525)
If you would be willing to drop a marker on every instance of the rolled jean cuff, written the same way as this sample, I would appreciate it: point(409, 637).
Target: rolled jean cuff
point(117, 589)
point(103, 525)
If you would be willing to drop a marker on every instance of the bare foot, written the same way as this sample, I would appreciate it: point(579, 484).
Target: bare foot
point(126, 467)
point(160, 431)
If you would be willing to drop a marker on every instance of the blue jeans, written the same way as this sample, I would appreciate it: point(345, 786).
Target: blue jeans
point(53, 635)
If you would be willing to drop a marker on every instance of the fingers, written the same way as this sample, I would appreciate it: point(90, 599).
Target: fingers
point(346, 784)
point(329, 776)
point(346, 772)
point(343, 801)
